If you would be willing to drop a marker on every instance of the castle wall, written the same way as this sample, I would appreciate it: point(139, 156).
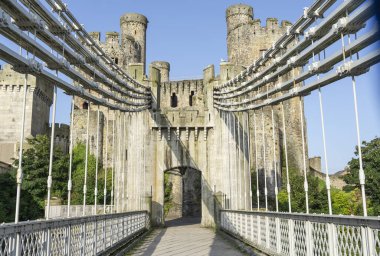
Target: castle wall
point(38, 101)
point(43, 99)
point(80, 129)
point(183, 90)
point(62, 137)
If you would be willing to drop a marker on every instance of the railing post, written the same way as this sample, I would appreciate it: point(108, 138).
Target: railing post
point(365, 241)
point(332, 239)
point(258, 230)
point(252, 231)
point(48, 241)
point(68, 247)
point(246, 226)
point(267, 237)
point(241, 224)
point(371, 241)
point(104, 233)
point(84, 236)
point(308, 238)
point(95, 234)
point(278, 235)
point(291, 237)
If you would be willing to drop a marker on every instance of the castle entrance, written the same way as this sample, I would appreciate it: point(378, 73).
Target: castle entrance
point(182, 193)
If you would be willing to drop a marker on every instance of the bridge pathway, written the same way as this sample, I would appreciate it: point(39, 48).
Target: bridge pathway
point(184, 237)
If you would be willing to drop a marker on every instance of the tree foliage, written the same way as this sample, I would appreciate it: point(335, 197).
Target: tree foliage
point(371, 166)
point(28, 209)
point(34, 186)
point(79, 157)
point(36, 169)
point(35, 166)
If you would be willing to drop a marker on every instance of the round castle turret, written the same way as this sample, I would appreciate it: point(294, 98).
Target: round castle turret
point(246, 38)
point(164, 68)
point(238, 15)
point(133, 38)
point(238, 18)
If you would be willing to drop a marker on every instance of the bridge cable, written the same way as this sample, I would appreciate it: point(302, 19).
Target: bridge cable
point(360, 156)
point(113, 162)
point(327, 179)
point(86, 159)
point(96, 162)
point(256, 162)
point(274, 160)
point(288, 188)
point(19, 175)
point(70, 183)
point(264, 160)
point(106, 163)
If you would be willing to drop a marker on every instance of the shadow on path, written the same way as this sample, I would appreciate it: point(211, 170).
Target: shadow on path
point(184, 237)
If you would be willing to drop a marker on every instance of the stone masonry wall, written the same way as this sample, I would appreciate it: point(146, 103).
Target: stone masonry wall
point(80, 130)
point(38, 101)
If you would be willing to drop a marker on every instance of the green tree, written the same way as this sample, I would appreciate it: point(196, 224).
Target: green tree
point(317, 193)
point(36, 169)
point(347, 203)
point(371, 166)
point(34, 187)
point(28, 209)
point(79, 156)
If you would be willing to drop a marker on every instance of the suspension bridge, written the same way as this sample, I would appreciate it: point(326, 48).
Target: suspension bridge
point(247, 121)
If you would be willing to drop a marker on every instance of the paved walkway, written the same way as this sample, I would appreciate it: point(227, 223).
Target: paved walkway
point(184, 237)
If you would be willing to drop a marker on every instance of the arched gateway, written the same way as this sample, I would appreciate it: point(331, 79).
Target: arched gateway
point(183, 193)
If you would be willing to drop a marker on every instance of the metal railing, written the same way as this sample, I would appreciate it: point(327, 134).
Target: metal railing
point(73, 236)
point(60, 211)
point(304, 234)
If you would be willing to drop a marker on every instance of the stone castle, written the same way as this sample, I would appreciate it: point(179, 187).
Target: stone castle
point(183, 134)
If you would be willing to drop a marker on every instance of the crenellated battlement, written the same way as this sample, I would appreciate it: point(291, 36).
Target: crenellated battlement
point(186, 94)
point(61, 131)
point(112, 38)
point(247, 37)
point(61, 136)
point(183, 85)
point(134, 17)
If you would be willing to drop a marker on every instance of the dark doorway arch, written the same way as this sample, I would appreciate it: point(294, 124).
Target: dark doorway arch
point(182, 193)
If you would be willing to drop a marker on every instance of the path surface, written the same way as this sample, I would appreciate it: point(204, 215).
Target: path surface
point(184, 237)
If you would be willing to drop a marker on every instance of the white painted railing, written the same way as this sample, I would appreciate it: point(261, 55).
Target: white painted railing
point(304, 234)
point(89, 235)
point(60, 211)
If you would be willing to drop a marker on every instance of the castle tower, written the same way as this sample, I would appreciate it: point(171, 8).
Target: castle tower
point(39, 98)
point(112, 47)
point(133, 38)
point(238, 17)
point(164, 68)
point(246, 38)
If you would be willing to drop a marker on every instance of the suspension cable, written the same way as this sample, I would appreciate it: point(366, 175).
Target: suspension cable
point(288, 189)
point(96, 162)
point(70, 182)
point(274, 160)
point(86, 160)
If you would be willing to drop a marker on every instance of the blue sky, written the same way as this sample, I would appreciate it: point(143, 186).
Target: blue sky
point(192, 34)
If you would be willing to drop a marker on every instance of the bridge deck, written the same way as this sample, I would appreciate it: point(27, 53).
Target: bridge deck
point(184, 237)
